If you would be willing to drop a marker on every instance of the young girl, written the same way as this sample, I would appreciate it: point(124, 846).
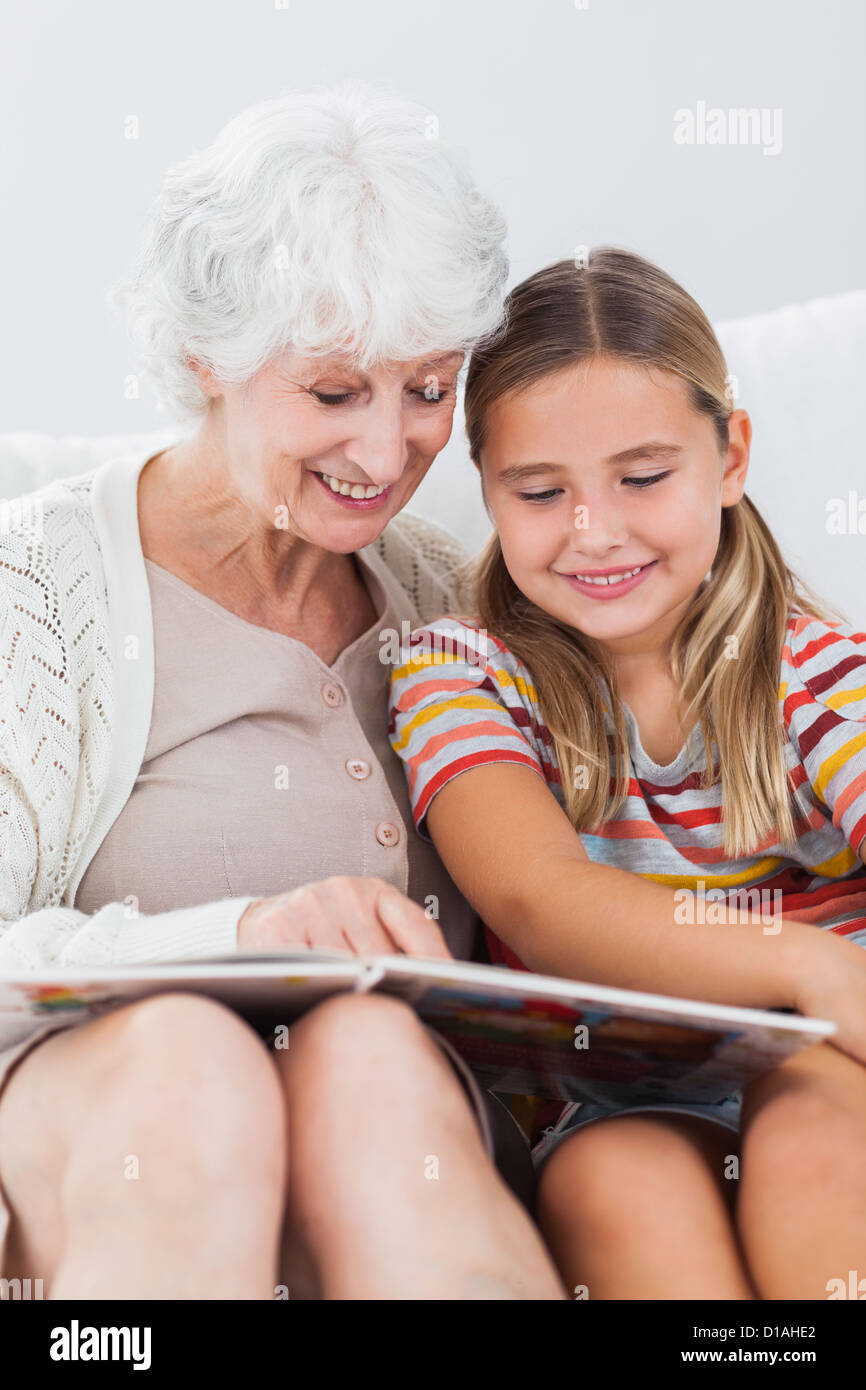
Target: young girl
point(634, 612)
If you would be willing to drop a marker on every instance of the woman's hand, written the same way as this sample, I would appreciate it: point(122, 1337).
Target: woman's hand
point(363, 916)
point(831, 983)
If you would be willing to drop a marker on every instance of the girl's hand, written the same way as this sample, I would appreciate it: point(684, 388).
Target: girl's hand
point(831, 983)
point(362, 916)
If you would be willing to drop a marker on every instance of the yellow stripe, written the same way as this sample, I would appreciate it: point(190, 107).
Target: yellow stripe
point(426, 659)
point(845, 697)
point(758, 871)
point(417, 663)
point(433, 711)
point(830, 766)
point(842, 697)
point(836, 867)
point(840, 864)
point(518, 683)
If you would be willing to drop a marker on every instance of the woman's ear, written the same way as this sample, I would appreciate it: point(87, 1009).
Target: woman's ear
point(204, 376)
point(736, 457)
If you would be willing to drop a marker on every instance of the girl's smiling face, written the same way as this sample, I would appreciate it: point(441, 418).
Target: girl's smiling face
point(607, 466)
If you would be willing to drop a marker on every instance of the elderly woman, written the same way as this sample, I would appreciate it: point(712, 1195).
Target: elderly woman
point(194, 755)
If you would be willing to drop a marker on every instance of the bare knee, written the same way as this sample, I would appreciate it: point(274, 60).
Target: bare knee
point(590, 1166)
point(175, 1091)
point(610, 1167)
point(150, 1030)
point(175, 1065)
point(798, 1142)
point(352, 1040)
point(364, 1067)
point(340, 1020)
point(189, 1061)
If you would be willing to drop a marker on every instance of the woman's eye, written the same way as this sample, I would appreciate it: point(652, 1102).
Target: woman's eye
point(645, 482)
point(539, 496)
point(421, 393)
point(347, 395)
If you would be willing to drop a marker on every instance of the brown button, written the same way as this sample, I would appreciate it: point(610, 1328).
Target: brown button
point(332, 694)
point(356, 767)
point(386, 833)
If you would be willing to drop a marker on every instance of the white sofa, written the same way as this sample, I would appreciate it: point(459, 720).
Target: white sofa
point(799, 372)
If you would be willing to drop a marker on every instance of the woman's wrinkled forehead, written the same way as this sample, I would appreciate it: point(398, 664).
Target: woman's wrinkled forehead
point(348, 364)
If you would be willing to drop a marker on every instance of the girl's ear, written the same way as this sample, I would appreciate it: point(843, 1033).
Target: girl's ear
point(737, 457)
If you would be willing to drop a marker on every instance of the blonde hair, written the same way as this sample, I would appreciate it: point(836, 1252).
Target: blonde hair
point(619, 305)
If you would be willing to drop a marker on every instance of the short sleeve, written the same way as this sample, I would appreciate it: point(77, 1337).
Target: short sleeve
point(823, 693)
point(459, 699)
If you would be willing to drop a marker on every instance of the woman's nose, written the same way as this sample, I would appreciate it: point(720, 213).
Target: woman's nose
point(380, 447)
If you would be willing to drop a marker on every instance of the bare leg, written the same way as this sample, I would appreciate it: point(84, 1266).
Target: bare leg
point(392, 1195)
point(143, 1155)
point(802, 1203)
point(637, 1206)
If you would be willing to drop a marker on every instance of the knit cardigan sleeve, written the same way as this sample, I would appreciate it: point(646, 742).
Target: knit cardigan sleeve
point(56, 715)
point(432, 566)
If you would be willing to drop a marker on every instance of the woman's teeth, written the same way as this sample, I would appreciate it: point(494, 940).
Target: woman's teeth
point(357, 490)
point(609, 578)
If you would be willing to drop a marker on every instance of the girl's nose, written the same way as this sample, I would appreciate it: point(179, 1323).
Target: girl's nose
point(596, 530)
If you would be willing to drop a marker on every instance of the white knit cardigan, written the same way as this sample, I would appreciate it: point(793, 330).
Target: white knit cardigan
point(76, 694)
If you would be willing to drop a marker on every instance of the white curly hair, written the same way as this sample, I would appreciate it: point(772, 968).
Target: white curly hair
point(327, 219)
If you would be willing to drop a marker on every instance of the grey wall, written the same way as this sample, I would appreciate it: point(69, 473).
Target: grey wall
point(567, 115)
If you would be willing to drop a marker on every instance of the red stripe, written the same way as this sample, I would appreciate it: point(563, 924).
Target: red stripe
point(826, 722)
point(462, 765)
point(825, 679)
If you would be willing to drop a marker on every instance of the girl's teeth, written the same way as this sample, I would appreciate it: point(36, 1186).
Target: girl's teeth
point(357, 490)
point(610, 578)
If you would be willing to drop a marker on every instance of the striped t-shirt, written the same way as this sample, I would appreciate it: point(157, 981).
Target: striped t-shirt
point(462, 699)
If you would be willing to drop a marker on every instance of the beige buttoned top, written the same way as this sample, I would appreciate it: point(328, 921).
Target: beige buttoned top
point(266, 769)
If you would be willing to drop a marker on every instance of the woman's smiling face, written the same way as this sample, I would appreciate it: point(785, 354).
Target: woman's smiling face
point(305, 429)
point(608, 467)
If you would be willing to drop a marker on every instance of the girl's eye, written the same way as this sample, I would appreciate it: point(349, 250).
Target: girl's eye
point(638, 483)
point(539, 496)
point(347, 395)
point(645, 482)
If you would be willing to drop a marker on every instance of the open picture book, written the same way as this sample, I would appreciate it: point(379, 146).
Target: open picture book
point(522, 1034)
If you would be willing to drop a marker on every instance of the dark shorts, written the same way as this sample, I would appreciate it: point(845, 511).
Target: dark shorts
point(724, 1112)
